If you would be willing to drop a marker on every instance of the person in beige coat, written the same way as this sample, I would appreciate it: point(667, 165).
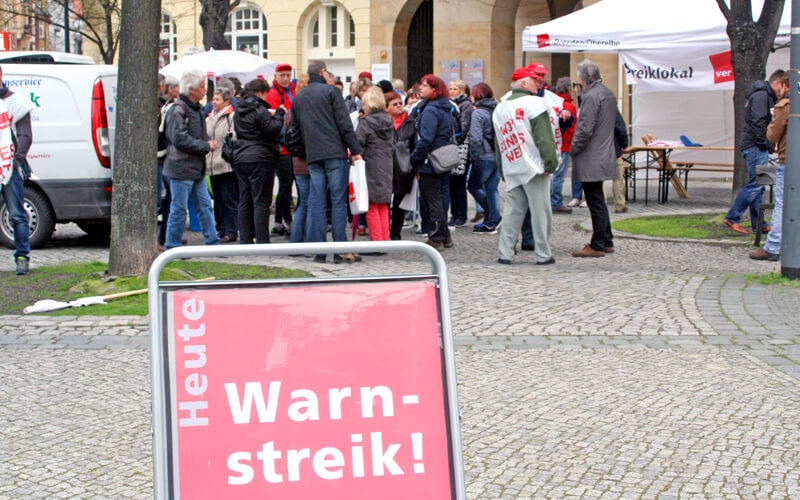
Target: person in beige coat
point(223, 180)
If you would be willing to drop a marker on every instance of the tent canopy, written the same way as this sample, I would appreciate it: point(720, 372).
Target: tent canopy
point(674, 52)
point(614, 25)
point(665, 45)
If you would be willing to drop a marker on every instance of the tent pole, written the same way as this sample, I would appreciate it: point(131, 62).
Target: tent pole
point(790, 244)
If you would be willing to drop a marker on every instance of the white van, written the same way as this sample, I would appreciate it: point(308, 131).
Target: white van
point(73, 120)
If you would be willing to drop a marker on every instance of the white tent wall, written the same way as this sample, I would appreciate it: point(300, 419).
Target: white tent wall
point(704, 117)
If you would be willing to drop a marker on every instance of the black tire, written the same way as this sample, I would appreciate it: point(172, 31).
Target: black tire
point(97, 230)
point(40, 217)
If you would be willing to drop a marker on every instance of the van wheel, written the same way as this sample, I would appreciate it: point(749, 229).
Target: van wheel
point(99, 231)
point(40, 219)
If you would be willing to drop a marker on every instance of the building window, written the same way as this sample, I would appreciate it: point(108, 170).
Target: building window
point(168, 41)
point(334, 26)
point(315, 34)
point(247, 31)
point(352, 32)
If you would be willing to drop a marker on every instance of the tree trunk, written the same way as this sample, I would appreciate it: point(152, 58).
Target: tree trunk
point(133, 204)
point(751, 42)
point(213, 20)
point(748, 66)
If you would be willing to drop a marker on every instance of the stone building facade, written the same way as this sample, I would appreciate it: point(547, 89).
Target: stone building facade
point(413, 37)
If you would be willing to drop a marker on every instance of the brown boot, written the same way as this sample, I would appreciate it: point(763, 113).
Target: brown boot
point(438, 245)
point(448, 242)
point(762, 254)
point(588, 251)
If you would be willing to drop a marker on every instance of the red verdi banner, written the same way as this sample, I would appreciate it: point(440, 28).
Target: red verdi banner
point(299, 392)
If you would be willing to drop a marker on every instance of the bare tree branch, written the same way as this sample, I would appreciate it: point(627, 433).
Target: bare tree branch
point(725, 10)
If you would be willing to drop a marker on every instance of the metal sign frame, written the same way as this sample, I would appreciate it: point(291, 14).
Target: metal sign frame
point(159, 357)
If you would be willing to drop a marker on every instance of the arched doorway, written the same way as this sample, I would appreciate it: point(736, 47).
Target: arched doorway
point(420, 43)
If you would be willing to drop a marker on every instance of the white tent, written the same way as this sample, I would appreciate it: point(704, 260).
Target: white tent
point(666, 47)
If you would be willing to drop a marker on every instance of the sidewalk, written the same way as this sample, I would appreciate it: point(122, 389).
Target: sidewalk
point(658, 371)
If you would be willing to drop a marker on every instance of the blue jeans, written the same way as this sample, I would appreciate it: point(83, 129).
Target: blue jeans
point(483, 181)
point(577, 187)
point(773, 244)
point(327, 175)
point(557, 182)
point(303, 182)
point(182, 192)
point(751, 193)
point(14, 194)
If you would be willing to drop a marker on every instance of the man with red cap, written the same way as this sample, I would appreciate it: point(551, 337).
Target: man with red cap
point(526, 155)
point(280, 94)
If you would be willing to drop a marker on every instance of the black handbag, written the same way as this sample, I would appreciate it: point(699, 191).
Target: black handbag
point(293, 141)
point(402, 157)
point(229, 144)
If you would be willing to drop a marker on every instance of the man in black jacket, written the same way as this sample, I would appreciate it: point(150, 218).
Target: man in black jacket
point(761, 97)
point(185, 162)
point(321, 115)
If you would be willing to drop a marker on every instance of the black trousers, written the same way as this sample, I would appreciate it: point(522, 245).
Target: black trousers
point(255, 198)
point(430, 187)
point(601, 224)
point(226, 203)
point(283, 202)
point(397, 217)
point(458, 197)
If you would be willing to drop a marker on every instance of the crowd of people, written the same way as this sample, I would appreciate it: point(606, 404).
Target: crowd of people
point(307, 134)
point(442, 140)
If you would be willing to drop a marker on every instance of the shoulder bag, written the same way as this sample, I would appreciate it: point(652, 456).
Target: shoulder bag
point(445, 158)
point(229, 144)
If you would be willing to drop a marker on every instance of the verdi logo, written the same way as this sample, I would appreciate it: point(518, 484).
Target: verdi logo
point(723, 68)
point(648, 72)
point(543, 40)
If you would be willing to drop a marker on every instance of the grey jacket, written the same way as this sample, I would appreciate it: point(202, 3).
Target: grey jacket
point(481, 131)
point(592, 149)
point(375, 134)
point(187, 141)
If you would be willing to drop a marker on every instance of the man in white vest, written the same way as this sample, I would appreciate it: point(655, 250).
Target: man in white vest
point(526, 155)
point(15, 141)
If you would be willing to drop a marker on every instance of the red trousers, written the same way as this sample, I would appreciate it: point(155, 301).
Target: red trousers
point(378, 221)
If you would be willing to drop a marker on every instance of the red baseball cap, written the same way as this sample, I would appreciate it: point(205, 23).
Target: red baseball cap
point(282, 67)
point(365, 74)
point(538, 68)
point(521, 73)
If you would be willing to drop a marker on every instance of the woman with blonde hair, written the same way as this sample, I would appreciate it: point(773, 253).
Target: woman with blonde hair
point(375, 133)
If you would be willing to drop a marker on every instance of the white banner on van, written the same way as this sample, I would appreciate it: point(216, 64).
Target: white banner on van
point(6, 145)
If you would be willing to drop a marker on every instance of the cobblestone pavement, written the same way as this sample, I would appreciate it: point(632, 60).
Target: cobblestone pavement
point(659, 371)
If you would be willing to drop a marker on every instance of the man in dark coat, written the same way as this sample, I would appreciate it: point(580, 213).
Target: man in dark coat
point(761, 97)
point(185, 162)
point(321, 115)
point(593, 155)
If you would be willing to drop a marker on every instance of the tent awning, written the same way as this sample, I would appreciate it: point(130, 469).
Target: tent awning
point(665, 45)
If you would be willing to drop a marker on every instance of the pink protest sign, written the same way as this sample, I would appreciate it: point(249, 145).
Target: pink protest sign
point(328, 391)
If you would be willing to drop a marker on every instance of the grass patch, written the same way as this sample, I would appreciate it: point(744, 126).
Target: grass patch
point(696, 226)
point(71, 281)
point(772, 279)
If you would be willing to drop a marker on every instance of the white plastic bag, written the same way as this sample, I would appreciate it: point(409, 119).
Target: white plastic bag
point(357, 189)
point(409, 201)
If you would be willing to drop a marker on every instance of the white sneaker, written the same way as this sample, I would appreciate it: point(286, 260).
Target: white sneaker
point(574, 202)
point(583, 204)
